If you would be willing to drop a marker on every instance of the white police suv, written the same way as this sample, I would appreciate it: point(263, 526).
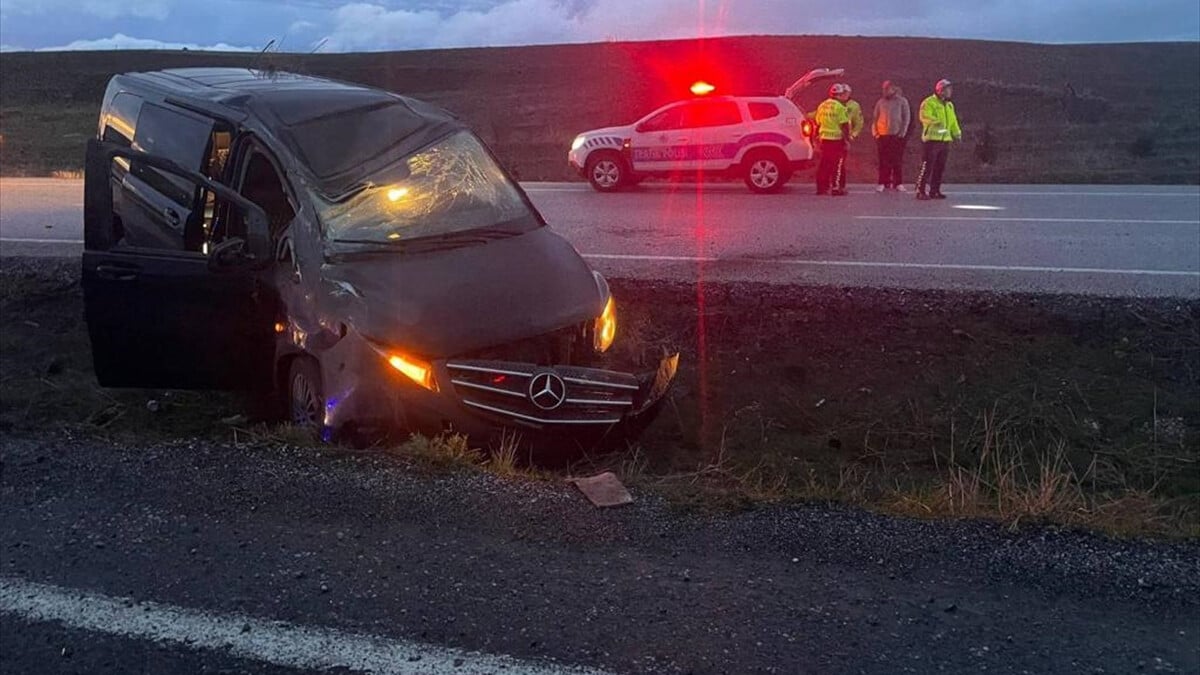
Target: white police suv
point(761, 139)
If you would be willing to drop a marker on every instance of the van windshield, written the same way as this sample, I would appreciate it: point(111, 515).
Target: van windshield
point(451, 186)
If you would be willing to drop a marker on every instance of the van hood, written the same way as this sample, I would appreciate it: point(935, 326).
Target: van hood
point(448, 303)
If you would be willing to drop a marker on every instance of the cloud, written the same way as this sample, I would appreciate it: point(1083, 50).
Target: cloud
point(105, 9)
point(121, 41)
point(376, 25)
point(348, 25)
point(371, 26)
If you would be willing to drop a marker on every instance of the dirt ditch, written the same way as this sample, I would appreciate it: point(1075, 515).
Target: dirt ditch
point(1078, 410)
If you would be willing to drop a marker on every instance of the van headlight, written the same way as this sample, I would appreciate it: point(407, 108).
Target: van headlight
point(416, 369)
point(578, 143)
point(605, 330)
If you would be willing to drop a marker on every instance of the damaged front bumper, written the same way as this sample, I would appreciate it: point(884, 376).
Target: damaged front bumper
point(479, 398)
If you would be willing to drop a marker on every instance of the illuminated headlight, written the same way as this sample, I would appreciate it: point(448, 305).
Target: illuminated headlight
point(605, 330)
point(578, 142)
point(420, 372)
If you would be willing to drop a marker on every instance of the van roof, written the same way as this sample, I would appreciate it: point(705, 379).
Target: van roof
point(292, 97)
point(318, 118)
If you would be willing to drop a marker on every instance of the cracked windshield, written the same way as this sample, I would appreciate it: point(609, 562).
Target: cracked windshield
point(451, 186)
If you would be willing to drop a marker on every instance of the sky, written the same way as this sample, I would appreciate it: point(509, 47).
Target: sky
point(374, 25)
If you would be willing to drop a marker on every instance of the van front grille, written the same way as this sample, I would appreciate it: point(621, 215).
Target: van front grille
point(543, 396)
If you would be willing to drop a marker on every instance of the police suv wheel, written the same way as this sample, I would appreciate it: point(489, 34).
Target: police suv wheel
point(765, 173)
point(606, 172)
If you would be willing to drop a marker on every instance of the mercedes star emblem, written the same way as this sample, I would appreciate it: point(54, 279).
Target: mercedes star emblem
point(547, 391)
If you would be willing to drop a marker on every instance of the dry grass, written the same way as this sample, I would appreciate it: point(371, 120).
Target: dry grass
point(503, 459)
point(1082, 415)
point(995, 473)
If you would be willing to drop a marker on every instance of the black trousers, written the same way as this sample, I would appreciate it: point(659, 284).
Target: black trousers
point(831, 170)
point(933, 165)
point(891, 160)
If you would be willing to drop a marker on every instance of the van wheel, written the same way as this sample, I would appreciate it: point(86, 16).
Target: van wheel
point(765, 172)
point(606, 171)
point(305, 397)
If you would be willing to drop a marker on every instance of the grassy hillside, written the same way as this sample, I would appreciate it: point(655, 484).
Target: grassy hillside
point(1133, 119)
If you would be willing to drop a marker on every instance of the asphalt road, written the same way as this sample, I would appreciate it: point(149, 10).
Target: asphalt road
point(1107, 240)
point(193, 557)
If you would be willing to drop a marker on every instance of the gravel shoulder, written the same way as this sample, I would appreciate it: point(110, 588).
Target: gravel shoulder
point(374, 543)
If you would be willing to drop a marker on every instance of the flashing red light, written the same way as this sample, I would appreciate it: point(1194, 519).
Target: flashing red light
point(807, 128)
point(702, 88)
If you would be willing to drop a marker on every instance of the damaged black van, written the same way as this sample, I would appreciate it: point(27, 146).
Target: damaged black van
point(359, 254)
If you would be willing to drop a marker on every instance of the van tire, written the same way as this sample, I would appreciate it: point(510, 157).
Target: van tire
point(765, 171)
point(304, 394)
point(607, 171)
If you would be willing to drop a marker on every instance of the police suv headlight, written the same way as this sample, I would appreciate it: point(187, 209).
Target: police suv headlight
point(578, 142)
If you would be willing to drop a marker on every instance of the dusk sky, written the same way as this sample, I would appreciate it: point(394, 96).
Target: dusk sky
point(337, 25)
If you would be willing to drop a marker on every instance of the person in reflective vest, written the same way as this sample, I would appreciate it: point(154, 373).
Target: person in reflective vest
point(833, 122)
point(939, 128)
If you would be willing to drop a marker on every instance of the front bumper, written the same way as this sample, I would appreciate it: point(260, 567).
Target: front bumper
point(480, 398)
point(576, 162)
point(571, 396)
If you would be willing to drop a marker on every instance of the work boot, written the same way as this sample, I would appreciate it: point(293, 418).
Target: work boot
point(936, 195)
point(839, 193)
point(880, 188)
point(900, 188)
point(921, 197)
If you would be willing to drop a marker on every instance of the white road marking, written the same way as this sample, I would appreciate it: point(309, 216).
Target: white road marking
point(865, 189)
point(1079, 193)
point(1183, 192)
point(987, 219)
point(22, 240)
point(895, 265)
point(276, 642)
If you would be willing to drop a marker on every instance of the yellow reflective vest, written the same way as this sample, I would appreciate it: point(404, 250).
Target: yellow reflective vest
point(831, 115)
point(854, 110)
point(939, 121)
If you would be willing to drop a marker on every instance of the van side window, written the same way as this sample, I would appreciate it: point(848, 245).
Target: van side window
point(175, 136)
point(214, 168)
point(261, 184)
point(120, 120)
point(164, 211)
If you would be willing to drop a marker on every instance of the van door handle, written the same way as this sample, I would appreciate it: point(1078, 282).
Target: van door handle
point(681, 140)
point(171, 215)
point(116, 272)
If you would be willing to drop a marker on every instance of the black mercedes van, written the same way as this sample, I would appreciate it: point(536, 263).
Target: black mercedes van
point(360, 255)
